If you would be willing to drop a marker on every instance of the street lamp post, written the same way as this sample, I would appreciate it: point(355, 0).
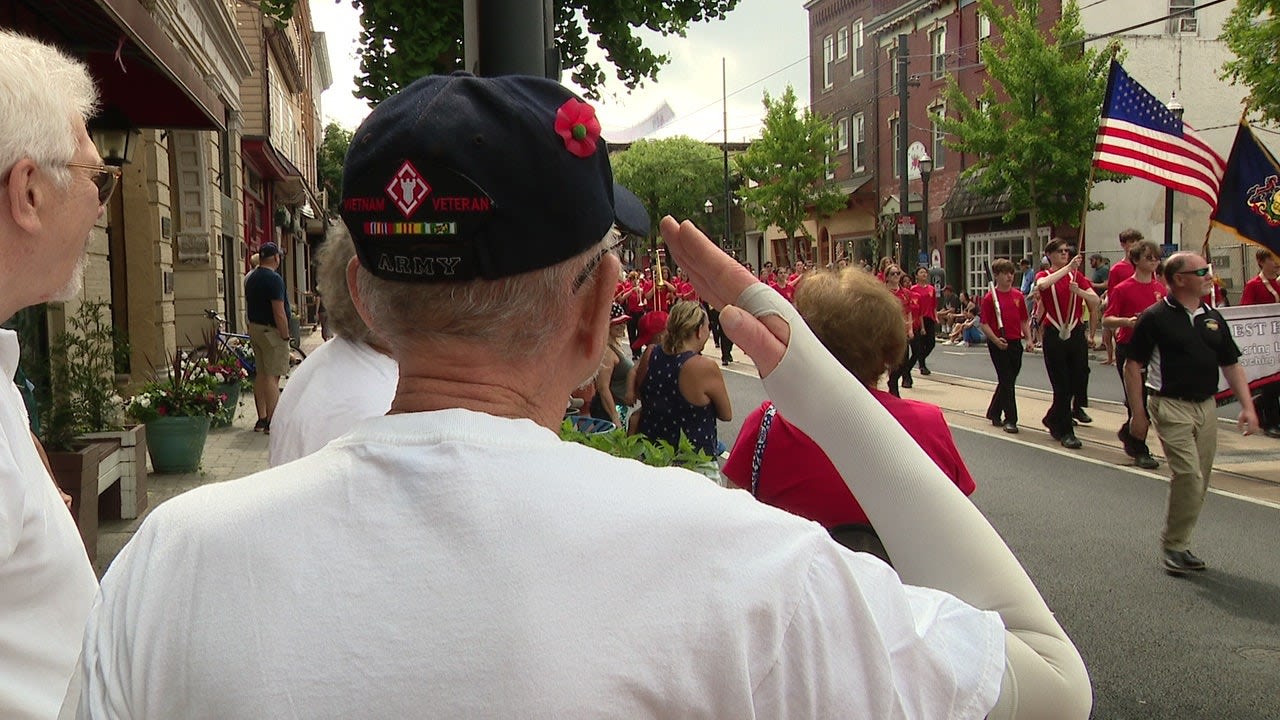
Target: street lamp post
point(926, 169)
point(709, 208)
point(1176, 108)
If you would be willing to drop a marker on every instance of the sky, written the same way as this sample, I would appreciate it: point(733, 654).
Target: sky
point(764, 44)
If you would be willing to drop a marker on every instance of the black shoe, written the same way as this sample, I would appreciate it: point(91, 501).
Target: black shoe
point(725, 362)
point(1272, 432)
point(261, 425)
point(924, 370)
point(1052, 433)
point(1178, 562)
point(1011, 428)
point(1071, 442)
point(1127, 441)
point(907, 381)
point(996, 422)
point(1146, 462)
point(1082, 416)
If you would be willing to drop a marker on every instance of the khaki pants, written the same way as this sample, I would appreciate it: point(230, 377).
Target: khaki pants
point(270, 351)
point(1189, 435)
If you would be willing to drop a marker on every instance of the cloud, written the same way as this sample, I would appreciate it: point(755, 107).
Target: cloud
point(761, 41)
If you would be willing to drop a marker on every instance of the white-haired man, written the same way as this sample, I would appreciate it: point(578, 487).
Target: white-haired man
point(454, 558)
point(52, 193)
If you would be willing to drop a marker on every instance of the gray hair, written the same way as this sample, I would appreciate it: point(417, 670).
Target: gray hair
point(331, 279)
point(42, 92)
point(515, 316)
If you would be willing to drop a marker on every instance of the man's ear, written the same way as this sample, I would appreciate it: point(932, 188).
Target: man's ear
point(592, 328)
point(23, 194)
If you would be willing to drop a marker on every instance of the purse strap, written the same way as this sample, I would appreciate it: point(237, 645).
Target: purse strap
point(758, 456)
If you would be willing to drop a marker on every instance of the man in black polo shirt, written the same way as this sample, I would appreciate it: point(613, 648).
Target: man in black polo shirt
point(1183, 342)
point(267, 307)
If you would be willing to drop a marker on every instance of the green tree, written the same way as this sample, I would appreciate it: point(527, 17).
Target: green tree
point(329, 161)
point(1252, 31)
point(674, 176)
point(1032, 129)
point(403, 40)
point(788, 166)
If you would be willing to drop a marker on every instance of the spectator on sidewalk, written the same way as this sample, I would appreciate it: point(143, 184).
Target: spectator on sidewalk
point(1188, 342)
point(1125, 304)
point(345, 380)
point(266, 305)
point(54, 188)
point(1261, 290)
point(454, 558)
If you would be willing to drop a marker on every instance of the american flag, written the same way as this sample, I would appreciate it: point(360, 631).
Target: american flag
point(1139, 136)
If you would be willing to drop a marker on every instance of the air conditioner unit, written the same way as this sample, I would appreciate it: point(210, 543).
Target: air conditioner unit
point(1187, 25)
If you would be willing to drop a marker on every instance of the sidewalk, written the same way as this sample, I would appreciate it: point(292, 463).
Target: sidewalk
point(1245, 466)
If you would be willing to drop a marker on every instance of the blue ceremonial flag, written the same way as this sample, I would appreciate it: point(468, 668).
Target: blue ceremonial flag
point(1139, 136)
point(1249, 201)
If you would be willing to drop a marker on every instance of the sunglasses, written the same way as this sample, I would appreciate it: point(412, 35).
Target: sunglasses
point(104, 176)
point(1200, 272)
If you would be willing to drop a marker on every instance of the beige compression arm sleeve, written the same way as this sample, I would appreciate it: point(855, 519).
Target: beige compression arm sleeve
point(937, 538)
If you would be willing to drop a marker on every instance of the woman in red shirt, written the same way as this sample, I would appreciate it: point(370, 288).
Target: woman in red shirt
point(893, 278)
point(861, 323)
point(1005, 322)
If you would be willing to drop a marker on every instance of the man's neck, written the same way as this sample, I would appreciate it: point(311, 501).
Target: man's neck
point(1142, 277)
point(1188, 299)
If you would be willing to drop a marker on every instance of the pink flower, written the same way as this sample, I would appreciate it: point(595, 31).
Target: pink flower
point(577, 125)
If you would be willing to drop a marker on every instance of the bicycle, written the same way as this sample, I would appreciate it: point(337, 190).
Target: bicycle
point(235, 344)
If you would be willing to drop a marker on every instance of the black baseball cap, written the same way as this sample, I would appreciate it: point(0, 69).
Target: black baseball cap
point(457, 178)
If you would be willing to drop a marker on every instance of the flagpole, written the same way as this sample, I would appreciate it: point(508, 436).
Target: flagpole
point(1084, 211)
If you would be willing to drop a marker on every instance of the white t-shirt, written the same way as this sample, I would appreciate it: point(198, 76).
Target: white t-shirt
point(453, 564)
point(46, 582)
point(339, 383)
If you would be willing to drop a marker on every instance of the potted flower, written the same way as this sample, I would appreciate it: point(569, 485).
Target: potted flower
point(228, 375)
point(177, 410)
point(95, 456)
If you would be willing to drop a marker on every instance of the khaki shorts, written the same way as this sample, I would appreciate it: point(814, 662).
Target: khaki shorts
point(270, 351)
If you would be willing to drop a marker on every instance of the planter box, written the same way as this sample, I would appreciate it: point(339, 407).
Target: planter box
point(126, 499)
point(78, 473)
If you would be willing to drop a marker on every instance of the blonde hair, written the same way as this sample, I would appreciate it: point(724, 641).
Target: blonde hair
point(856, 318)
point(683, 323)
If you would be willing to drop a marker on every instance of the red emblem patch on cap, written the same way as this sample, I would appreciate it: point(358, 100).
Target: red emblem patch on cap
point(408, 189)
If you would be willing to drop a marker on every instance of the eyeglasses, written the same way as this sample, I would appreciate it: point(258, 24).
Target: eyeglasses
point(104, 176)
point(590, 267)
point(891, 273)
point(1198, 272)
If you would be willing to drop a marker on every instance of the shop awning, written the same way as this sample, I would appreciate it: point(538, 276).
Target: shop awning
point(966, 203)
point(138, 69)
point(270, 163)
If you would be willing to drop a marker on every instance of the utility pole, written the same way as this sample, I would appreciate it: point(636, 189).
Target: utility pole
point(724, 146)
point(904, 199)
point(509, 37)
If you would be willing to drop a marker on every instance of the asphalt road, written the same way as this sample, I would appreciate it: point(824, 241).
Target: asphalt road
point(1203, 646)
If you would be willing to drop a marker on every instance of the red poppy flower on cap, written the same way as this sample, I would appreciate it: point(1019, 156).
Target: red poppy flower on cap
point(576, 123)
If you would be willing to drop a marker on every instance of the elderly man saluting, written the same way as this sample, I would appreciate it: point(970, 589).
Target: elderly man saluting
point(1182, 342)
point(454, 558)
